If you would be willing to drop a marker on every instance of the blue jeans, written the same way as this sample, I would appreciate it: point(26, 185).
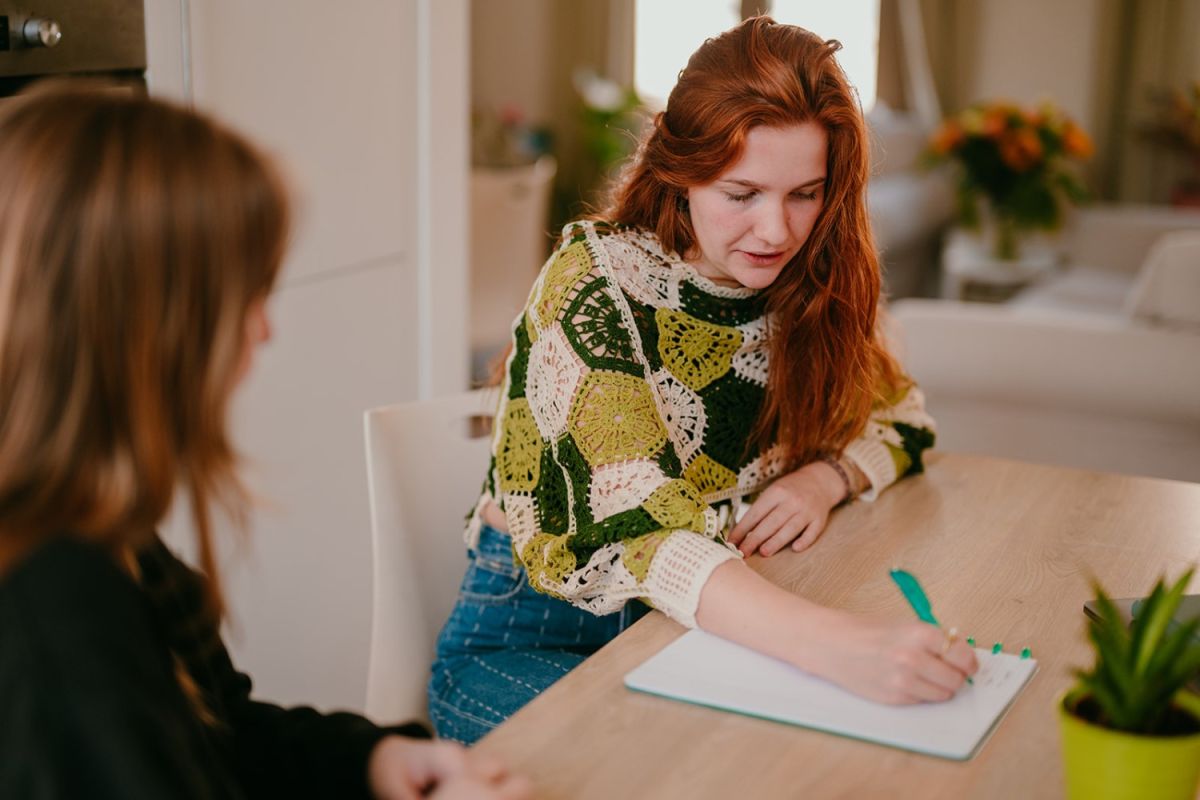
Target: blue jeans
point(505, 643)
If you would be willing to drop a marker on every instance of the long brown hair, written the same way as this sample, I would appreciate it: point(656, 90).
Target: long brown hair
point(134, 237)
point(828, 365)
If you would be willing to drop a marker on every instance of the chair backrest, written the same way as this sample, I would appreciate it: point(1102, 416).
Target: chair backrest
point(425, 465)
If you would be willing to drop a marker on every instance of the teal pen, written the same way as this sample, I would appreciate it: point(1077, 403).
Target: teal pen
point(917, 598)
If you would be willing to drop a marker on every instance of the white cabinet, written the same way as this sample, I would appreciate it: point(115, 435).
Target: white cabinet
point(346, 97)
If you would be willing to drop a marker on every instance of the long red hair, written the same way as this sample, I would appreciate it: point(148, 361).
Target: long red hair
point(828, 364)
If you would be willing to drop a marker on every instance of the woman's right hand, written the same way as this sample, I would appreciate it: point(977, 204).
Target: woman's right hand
point(408, 769)
point(884, 661)
point(911, 662)
point(467, 787)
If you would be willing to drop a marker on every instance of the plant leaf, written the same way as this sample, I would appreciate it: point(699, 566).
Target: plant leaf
point(1184, 668)
point(1152, 622)
point(1174, 646)
point(1113, 623)
point(1175, 663)
point(1138, 628)
point(1113, 649)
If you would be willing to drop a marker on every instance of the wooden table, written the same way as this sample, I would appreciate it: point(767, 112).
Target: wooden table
point(1005, 549)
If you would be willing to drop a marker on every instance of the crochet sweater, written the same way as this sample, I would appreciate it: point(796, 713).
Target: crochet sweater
point(621, 439)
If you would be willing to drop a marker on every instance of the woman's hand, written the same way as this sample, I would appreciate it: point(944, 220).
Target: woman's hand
point(408, 769)
point(888, 662)
point(793, 509)
point(911, 662)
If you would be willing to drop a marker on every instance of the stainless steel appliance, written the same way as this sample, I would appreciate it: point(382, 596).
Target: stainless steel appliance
point(41, 38)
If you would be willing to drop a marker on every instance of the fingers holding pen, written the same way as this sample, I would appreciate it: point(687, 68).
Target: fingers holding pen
point(961, 656)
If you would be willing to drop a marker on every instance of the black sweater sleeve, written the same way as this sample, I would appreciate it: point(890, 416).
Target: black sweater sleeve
point(89, 706)
point(286, 752)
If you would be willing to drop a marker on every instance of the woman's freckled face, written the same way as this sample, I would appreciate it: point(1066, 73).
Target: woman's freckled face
point(756, 215)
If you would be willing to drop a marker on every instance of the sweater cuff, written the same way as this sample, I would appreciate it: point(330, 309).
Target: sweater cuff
point(681, 567)
point(874, 460)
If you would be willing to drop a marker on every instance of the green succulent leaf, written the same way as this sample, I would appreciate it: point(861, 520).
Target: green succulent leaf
point(1140, 669)
point(1176, 645)
point(1152, 623)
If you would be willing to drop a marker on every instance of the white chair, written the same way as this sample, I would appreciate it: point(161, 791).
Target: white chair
point(425, 465)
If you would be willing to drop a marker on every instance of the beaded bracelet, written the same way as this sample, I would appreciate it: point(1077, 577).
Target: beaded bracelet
point(843, 474)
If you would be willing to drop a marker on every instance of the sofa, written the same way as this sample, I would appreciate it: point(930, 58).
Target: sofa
point(1095, 391)
point(1105, 248)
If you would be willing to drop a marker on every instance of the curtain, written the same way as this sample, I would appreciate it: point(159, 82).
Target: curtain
point(943, 27)
point(1154, 44)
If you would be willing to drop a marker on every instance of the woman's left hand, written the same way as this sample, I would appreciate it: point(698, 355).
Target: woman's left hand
point(793, 509)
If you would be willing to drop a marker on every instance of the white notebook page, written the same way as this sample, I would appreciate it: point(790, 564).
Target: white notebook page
point(704, 669)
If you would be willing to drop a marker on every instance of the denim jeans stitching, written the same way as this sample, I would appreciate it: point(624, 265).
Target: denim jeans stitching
point(530, 655)
point(463, 696)
point(496, 566)
point(456, 713)
point(505, 675)
point(518, 581)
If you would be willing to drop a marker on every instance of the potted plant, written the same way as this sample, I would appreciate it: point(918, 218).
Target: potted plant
point(1130, 727)
point(1014, 163)
point(612, 117)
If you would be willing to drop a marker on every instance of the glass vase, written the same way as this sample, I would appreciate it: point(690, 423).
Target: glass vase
point(1005, 238)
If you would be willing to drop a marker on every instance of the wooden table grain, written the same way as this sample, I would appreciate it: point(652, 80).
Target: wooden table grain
point(1006, 551)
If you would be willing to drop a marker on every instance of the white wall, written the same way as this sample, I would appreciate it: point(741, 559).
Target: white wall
point(370, 310)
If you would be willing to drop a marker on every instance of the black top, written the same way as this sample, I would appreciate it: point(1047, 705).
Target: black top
point(90, 705)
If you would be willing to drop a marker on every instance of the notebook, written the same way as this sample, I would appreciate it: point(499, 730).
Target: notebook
point(706, 670)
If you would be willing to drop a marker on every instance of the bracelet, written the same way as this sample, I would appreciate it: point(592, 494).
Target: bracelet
point(844, 475)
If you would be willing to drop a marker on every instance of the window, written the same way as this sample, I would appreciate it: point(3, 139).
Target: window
point(667, 32)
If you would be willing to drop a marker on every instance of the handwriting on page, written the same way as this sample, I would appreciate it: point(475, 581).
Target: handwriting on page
point(996, 672)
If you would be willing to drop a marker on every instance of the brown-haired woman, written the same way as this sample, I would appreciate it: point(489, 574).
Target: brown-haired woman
point(712, 337)
point(138, 245)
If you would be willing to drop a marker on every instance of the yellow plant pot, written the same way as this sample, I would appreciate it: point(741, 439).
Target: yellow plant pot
point(1103, 764)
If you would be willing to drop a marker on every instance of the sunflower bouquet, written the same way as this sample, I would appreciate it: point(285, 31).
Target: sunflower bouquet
point(1017, 164)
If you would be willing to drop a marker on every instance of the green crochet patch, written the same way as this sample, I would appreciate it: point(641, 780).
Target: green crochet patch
point(548, 558)
point(568, 267)
point(518, 457)
point(551, 495)
point(696, 352)
point(736, 403)
point(647, 328)
point(677, 504)
point(620, 526)
point(727, 311)
point(613, 418)
point(593, 325)
point(916, 441)
point(519, 367)
point(708, 476)
point(639, 554)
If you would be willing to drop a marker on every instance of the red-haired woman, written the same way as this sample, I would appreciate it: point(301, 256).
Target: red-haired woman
point(712, 338)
